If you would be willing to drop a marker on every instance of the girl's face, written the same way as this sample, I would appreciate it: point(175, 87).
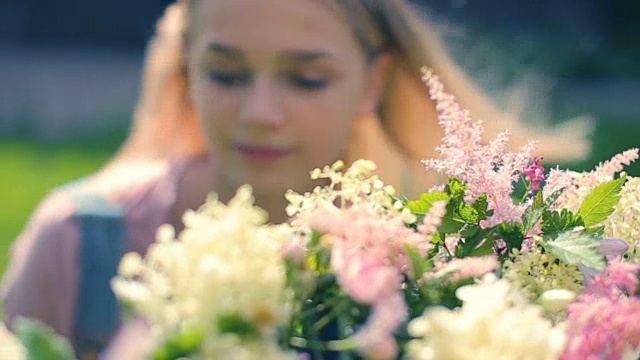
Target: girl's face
point(277, 87)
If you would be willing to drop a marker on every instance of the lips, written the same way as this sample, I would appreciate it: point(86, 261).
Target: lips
point(264, 153)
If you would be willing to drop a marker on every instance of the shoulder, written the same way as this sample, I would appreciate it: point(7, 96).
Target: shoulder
point(42, 264)
point(50, 227)
point(52, 219)
point(128, 182)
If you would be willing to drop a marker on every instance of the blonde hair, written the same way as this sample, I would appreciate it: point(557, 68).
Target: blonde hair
point(403, 132)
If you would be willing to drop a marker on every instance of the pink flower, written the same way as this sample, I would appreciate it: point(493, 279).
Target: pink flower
point(365, 277)
point(470, 267)
point(603, 322)
point(617, 279)
point(363, 234)
point(602, 329)
point(433, 219)
point(295, 248)
point(368, 257)
point(534, 174)
point(613, 248)
point(617, 163)
point(579, 185)
point(484, 168)
point(375, 339)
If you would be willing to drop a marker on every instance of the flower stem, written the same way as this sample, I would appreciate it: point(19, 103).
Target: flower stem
point(332, 345)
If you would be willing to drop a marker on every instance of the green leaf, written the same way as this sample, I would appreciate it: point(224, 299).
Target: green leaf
point(598, 205)
point(554, 222)
point(456, 189)
point(481, 206)
point(467, 213)
point(575, 248)
point(179, 346)
point(41, 342)
point(420, 265)
point(236, 324)
point(513, 235)
point(460, 214)
point(474, 236)
point(316, 236)
point(426, 201)
point(535, 212)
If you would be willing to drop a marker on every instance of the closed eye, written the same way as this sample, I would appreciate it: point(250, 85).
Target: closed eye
point(308, 83)
point(230, 79)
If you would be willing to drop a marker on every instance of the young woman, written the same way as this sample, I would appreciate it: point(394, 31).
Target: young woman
point(235, 92)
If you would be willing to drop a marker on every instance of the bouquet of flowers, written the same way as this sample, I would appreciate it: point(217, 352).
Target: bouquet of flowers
point(504, 261)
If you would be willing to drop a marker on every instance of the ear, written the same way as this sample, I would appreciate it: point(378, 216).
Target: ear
point(377, 76)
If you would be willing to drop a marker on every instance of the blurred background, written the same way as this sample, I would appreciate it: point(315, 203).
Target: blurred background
point(71, 70)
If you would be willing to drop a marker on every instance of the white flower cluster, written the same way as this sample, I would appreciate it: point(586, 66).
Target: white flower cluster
point(226, 263)
point(535, 272)
point(494, 322)
point(10, 347)
point(624, 223)
point(355, 186)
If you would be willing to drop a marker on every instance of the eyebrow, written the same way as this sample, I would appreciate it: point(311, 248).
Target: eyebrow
point(224, 49)
point(291, 55)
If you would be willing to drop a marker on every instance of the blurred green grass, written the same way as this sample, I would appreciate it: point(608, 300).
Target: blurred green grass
point(33, 169)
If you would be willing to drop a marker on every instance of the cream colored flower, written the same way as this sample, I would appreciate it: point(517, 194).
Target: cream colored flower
point(227, 262)
point(10, 346)
point(494, 322)
point(536, 272)
point(356, 185)
point(624, 223)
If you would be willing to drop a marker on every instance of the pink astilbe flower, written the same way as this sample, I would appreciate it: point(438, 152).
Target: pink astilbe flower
point(368, 257)
point(366, 277)
point(603, 322)
point(465, 268)
point(375, 339)
point(618, 279)
point(433, 219)
point(608, 169)
point(363, 230)
point(485, 168)
point(579, 185)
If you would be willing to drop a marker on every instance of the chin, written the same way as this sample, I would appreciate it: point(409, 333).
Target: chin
point(264, 186)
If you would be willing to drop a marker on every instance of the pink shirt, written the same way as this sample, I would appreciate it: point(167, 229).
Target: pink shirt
point(42, 279)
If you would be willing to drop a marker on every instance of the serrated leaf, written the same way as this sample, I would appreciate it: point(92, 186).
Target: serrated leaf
point(426, 201)
point(535, 212)
point(456, 189)
point(554, 197)
point(482, 205)
point(512, 233)
point(598, 205)
point(575, 248)
point(473, 236)
point(41, 342)
point(467, 213)
point(554, 222)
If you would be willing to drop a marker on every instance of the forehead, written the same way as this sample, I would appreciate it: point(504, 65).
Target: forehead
point(255, 25)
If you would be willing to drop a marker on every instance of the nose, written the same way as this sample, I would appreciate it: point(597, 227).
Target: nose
point(262, 105)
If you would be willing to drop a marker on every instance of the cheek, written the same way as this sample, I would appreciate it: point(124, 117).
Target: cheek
point(216, 109)
point(327, 122)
